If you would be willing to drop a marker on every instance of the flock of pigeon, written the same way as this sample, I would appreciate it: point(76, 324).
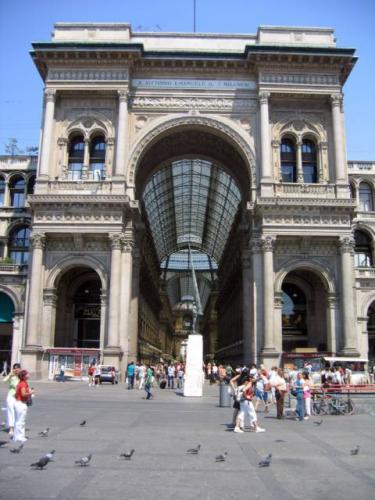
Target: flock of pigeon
point(85, 461)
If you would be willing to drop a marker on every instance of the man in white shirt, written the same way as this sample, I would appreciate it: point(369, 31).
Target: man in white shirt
point(171, 375)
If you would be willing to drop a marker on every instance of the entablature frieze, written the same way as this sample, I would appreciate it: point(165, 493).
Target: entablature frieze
point(178, 103)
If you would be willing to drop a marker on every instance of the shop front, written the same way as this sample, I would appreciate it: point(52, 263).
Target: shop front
point(75, 360)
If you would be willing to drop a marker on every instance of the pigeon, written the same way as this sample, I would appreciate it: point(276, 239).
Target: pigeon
point(266, 462)
point(83, 423)
point(355, 450)
point(279, 441)
point(41, 463)
point(127, 456)
point(318, 422)
point(84, 461)
point(221, 458)
point(44, 433)
point(16, 450)
point(2, 443)
point(194, 451)
point(50, 455)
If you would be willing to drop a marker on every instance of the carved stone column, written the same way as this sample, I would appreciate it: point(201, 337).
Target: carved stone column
point(266, 165)
point(49, 317)
point(33, 337)
point(44, 167)
point(299, 162)
point(331, 322)
point(322, 149)
point(125, 294)
point(114, 291)
point(134, 304)
point(6, 194)
point(62, 172)
point(349, 340)
point(122, 134)
point(278, 325)
point(269, 349)
point(257, 291)
point(86, 159)
point(338, 138)
point(103, 318)
point(247, 309)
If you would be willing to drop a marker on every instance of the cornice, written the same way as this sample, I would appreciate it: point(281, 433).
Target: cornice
point(305, 202)
point(43, 199)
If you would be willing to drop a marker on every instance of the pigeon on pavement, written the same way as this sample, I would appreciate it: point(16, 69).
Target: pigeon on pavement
point(17, 449)
point(44, 433)
point(2, 443)
point(127, 456)
point(41, 463)
point(83, 423)
point(221, 457)
point(266, 462)
point(355, 450)
point(318, 422)
point(194, 451)
point(84, 461)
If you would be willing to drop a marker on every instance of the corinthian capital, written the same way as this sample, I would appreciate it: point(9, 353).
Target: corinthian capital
point(127, 245)
point(268, 243)
point(50, 95)
point(263, 97)
point(123, 95)
point(346, 244)
point(115, 240)
point(38, 240)
point(336, 99)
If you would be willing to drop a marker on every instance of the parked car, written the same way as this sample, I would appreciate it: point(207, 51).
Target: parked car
point(108, 374)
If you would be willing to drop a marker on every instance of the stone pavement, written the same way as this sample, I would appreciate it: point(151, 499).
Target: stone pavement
point(311, 462)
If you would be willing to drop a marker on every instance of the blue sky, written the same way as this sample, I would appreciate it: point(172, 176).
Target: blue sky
point(24, 21)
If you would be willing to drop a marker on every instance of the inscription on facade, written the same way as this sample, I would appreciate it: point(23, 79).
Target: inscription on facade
point(193, 84)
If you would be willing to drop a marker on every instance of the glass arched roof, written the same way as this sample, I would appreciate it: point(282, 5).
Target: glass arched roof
point(191, 202)
point(180, 288)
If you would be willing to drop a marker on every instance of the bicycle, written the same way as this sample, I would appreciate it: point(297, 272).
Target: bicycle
point(340, 406)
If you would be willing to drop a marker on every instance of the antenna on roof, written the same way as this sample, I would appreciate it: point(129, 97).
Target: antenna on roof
point(195, 10)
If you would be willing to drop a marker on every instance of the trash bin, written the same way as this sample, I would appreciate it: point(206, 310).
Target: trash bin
point(225, 397)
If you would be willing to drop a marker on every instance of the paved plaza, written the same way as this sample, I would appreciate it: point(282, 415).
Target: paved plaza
point(308, 461)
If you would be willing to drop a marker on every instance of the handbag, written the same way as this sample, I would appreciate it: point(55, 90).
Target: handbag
point(29, 401)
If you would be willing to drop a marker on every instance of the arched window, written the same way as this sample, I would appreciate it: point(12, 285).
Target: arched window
point(2, 191)
point(76, 156)
point(365, 197)
point(309, 164)
point(288, 161)
point(363, 254)
point(19, 242)
point(97, 158)
point(17, 192)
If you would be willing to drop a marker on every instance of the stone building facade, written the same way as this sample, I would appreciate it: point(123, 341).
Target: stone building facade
point(163, 151)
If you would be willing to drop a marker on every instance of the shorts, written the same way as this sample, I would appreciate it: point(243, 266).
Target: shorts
point(263, 396)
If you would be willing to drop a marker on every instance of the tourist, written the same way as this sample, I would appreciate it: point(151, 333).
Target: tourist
point(12, 379)
point(171, 375)
point(298, 388)
point(130, 373)
point(148, 382)
point(280, 392)
point(262, 386)
point(247, 410)
point(236, 384)
point(307, 394)
point(271, 380)
point(22, 396)
point(142, 375)
point(214, 370)
point(180, 377)
point(4, 373)
point(62, 372)
point(97, 375)
point(91, 372)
